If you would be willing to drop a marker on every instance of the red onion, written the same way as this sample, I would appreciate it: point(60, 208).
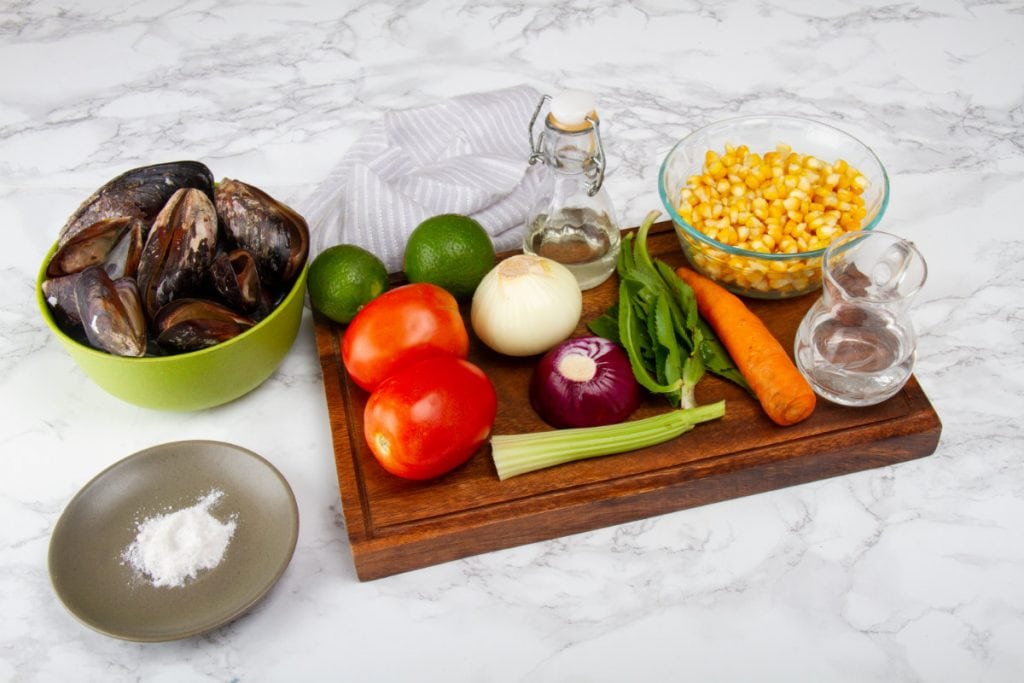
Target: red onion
point(584, 382)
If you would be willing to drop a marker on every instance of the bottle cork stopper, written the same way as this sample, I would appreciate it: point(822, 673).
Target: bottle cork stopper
point(570, 109)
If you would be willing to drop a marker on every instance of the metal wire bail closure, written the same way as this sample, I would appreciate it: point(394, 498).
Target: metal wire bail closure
point(535, 145)
point(594, 172)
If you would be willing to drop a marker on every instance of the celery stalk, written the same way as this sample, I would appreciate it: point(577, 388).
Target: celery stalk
point(516, 454)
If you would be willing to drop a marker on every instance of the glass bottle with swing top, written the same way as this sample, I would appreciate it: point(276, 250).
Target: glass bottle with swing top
point(572, 220)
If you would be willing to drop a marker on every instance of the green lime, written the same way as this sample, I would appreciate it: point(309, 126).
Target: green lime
point(451, 251)
point(344, 278)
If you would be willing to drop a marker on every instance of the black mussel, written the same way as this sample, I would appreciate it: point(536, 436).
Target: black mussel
point(111, 312)
point(192, 324)
point(59, 293)
point(114, 243)
point(138, 193)
point(179, 250)
point(275, 235)
point(234, 277)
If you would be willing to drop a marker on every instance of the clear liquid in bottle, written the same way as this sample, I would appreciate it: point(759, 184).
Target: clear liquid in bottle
point(583, 240)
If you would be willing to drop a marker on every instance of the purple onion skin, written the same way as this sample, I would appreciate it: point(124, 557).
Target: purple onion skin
point(607, 398)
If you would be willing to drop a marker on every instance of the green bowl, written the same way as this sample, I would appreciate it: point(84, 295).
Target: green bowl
point(194, 380)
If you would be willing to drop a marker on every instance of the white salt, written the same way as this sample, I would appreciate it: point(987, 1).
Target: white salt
point(171, 549)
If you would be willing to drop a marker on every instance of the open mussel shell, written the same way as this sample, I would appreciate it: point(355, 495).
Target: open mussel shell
point(114, 243)
point(236, 280)
point(110, 312)
point(138, 193)
point(192, 324)
point(275, 235)
point(179, 250)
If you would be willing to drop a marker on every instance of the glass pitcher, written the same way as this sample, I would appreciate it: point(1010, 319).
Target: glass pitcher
point(856, 345)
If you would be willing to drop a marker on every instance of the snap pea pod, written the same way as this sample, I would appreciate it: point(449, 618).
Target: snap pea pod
point(656, 321)
point(630, 334)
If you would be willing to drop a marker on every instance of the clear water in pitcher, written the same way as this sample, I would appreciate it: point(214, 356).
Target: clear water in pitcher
point(856, 356)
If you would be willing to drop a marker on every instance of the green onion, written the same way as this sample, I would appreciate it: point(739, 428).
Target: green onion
point(516, 454)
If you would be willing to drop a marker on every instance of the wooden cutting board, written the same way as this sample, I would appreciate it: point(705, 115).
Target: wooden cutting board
point(396, 525)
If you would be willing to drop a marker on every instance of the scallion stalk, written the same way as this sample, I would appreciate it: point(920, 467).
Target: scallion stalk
point(516, 454)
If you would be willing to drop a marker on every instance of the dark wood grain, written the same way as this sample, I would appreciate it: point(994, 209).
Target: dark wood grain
point(396, 525)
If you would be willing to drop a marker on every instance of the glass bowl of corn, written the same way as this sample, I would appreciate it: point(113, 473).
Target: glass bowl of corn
point(756, 200)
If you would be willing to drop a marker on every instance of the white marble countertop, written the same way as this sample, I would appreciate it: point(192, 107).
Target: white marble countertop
point(905, 573)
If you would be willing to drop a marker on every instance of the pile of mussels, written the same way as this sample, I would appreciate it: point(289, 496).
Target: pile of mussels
point(163, 260)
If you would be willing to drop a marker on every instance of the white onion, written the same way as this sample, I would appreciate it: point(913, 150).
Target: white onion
point(525, 305)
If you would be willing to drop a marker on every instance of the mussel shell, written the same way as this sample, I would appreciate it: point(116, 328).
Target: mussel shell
point(236, 280)
point(116, 243)
point(275, 234)
point(192, 324)
point(59, 293)
point(179, 250)
point(111, 312)
point(138, 193)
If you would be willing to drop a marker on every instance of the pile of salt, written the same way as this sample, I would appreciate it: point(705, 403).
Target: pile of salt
point(171, 549)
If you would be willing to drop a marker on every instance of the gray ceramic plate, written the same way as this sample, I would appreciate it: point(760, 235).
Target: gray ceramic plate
point(95, 584)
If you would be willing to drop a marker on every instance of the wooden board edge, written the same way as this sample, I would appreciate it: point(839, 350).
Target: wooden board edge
point(354, 508)
point(918, 418)
point(385, 556)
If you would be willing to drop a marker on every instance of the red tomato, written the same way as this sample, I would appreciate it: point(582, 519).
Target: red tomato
point(399, 327)
point(430, 417)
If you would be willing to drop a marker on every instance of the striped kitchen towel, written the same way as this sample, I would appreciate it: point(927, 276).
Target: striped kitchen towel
point(466, 155)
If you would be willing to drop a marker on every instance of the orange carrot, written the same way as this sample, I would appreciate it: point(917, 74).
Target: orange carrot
point(784, 394)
